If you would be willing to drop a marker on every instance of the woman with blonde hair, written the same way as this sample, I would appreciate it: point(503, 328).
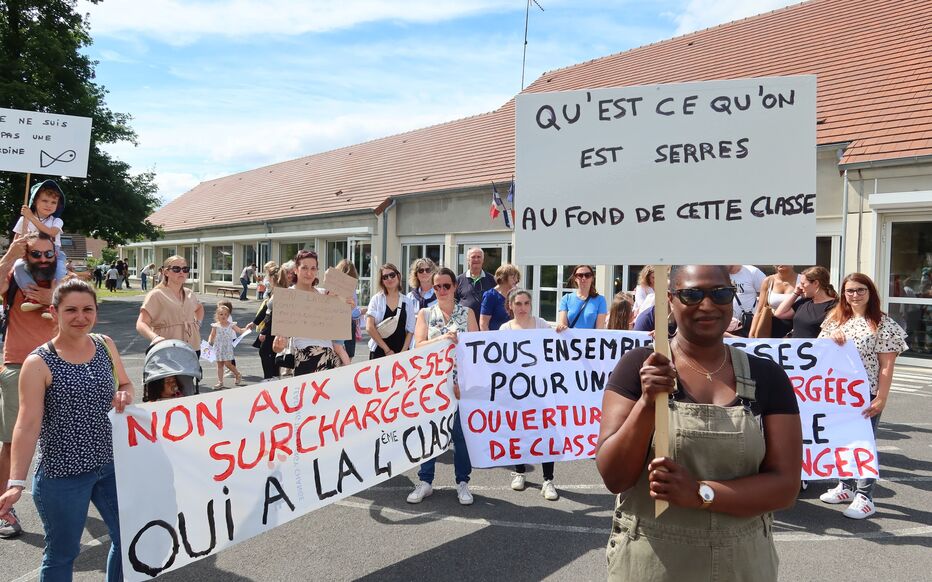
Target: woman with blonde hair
point(420, 279)
point(493, 311)
point(808, 305)
point(644, 293)
point(170, 310)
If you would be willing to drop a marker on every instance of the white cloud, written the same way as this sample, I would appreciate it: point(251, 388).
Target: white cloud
point(184, 21)
point(699, 14)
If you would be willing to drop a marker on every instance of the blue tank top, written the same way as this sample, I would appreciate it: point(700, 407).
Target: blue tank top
point(76, 436)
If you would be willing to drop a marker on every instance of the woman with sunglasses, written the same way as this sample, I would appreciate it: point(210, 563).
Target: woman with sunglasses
point(391, 311)
point(729, 474)
point(420, 279)
point(584, 309)
point(879, 340)
point(444, 320)
point(808, 305)
point(311, 354)
point(170, 310)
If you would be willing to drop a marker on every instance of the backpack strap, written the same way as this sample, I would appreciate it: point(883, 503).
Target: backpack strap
point(746, 387)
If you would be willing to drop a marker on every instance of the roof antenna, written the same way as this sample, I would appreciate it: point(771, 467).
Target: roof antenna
point(527, 10)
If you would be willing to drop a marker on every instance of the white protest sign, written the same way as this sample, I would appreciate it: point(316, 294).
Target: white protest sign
point(339, 283)
point(207, 352)
point(44, 143)
point(297, 313)
point(240, 337)
point(703, 173)
point(199, 474)
point(532, 396)
point(833, 391)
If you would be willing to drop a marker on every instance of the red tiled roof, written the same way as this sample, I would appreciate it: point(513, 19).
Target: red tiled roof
point(873, 59)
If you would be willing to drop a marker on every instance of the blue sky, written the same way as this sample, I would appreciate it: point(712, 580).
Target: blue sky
point(221, 86)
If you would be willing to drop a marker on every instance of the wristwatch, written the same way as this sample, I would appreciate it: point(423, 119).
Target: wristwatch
point(706, 494)
point(16, 483)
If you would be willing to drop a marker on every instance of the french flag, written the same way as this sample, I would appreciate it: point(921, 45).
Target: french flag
point(500, 207)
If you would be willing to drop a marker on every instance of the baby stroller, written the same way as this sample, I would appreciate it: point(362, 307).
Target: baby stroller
point(170, 358)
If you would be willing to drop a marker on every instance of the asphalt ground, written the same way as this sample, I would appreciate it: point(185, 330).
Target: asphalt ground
point(517, 536)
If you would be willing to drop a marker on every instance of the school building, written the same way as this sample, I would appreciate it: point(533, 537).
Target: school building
point(427, 192)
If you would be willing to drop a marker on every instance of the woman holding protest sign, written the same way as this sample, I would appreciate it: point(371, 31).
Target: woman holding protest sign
point(879, 340)
point(170, 310)
point(310, 354)
point(67, 387)
point(584, 309)
point(443, 321)
point(807, 306)
point(729, 474)
point(390, 316)
point(519, 303)
point(494, 309)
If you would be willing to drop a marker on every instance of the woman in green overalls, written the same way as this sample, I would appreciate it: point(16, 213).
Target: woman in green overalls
point(735, 448)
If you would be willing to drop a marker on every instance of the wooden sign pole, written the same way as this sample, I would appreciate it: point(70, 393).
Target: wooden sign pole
point(26, 198)
point(661, 345)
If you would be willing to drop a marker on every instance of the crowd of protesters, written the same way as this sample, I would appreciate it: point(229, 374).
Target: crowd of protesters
point(54, 367)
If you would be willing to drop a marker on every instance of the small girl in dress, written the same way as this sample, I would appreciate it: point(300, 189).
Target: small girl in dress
point(222, 334)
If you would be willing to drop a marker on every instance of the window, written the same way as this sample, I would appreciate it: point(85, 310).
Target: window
point(166, 252)
point(337, 250)
point(147, 254)
point(287, 250)
point(496, 254)
point(552, 287)
point(190, 255)
point(131, 262)
point(221, 263)
point(249, 256)
point(361, 255)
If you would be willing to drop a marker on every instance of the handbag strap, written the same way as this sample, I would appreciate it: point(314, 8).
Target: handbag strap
point(579, 313)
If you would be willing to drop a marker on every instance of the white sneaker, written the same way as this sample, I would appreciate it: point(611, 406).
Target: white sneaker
point(840, 494)
point(518, 482)
point(549, 491)
point(860, 508)
point(421, 490)
point(462, 492)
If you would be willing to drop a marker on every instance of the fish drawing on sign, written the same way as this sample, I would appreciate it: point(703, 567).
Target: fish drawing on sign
point(46, 159)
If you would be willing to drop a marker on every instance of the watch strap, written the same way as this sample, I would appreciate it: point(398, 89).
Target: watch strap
point(16, 483)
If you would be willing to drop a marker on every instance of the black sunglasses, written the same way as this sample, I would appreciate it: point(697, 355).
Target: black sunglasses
point(718, 295)
point(444, 286)
point(388, 276)
point(38, 254)
point(583, 275)
point(423, 270)
point(177, 269)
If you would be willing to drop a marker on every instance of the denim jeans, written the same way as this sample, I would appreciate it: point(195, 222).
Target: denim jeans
point(462, 467)
point(62, 504)
point(245, 293)
point(865, 486)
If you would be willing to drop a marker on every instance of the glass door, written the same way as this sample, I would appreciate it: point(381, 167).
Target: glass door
point(909, 281)
point(265, 253)
point(360, 252)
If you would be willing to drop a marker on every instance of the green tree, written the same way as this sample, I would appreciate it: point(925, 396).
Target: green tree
point(42, 69)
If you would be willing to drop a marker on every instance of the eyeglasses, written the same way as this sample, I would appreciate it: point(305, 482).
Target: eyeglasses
point(718, 295)
point(443, 286)
point(858, 291)
point(388, 276)
point(423, 270)
point(39, 254)
point(585, 275)
point(177, 269)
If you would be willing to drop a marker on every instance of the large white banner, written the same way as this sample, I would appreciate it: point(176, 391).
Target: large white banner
point(534, 396)
point(833, 391)
point(706, 172)
point(197, 475)
point(44, 143)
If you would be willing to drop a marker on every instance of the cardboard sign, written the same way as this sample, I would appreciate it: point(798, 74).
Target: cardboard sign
point(728, 164)
point(199, 474)
point(44, 143)
point(305, 314)
point(339, 283)
point(833, 391)
point(532, 396)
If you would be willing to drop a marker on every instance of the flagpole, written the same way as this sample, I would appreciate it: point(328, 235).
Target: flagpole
point(527, 17)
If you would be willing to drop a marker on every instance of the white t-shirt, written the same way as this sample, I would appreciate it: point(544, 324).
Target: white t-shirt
point(113, 274)
point(748, 281)
point(539, 322)
point(50, 222)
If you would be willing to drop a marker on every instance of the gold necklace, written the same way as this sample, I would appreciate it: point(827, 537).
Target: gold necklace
point(708, 375)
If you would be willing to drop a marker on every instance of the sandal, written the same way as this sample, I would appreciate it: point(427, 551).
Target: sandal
point(239, 380)
point(219, 386)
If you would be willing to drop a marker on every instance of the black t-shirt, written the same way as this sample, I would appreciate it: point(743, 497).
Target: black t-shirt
point(807, 321)
point(774, 393)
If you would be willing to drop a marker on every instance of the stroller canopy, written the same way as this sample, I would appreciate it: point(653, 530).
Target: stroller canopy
point(173, 358)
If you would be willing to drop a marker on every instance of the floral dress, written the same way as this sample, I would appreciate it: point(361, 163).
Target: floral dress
point(889, 337)
point(223, 341)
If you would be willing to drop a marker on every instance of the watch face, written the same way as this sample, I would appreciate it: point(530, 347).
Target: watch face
point(707, 493)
